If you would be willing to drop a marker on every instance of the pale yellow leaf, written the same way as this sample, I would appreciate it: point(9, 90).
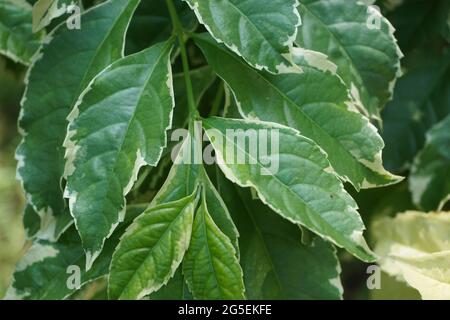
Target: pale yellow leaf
point(415, 247)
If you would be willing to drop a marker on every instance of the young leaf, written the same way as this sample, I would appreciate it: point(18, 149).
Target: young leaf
point(315, 102)
point(51, 94)
point(275, 262)
point(118, 126)
point(182, 180)
point(261, 31)
point(49, 270)
point(299, 184)
point(360, 41)
point(17, 40)
point(151, 250)
point(219, 212)
point(429, 181)
point(211, 268)
point(414, 247)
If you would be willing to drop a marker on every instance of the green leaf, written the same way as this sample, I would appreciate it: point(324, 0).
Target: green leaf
point(421, 100)
point(299, 185)
point(43, 273)
point(183, 177)
point(51, 94)
point(414, 247)
point(429, 180)
point(152, 249)
point(45, 227)
point(211, 267)
point(44, 11)
point(118, 126)
point(31, 222)
point(275, 262)
point(262, 32)
point(181, 182)
point(17, 41)
point(219, 212)
point(360, 41)
point(315, 102)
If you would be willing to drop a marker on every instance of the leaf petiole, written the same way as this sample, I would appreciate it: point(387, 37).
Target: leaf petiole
point(179, 32)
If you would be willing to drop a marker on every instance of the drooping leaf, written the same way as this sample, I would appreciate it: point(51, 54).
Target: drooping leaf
point(275, 262)
point(51, 94)
point(415, 247)
point(360, 41)
point(17, 40)
point(118, 126)
point(152, 249)
point(315, 102)
point(211, 267)
point(261, 31)
point(422, 99)
point(293, 177)
point(429, 181)
point(48, 270)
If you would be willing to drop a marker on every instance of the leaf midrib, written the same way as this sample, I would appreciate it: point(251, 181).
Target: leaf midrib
point(96, 53)
point(257, 31)
point(344, 50)
point(131, 120)
point(169, 227)
point(313, 211)
point(299, 109)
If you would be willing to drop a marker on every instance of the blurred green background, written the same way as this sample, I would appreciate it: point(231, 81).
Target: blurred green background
point(11, 196)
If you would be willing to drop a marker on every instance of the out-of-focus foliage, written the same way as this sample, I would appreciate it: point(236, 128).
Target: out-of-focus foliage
point(414, 247)
point(11, 199)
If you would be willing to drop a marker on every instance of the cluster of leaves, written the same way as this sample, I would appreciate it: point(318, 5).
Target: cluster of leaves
point(95, 161)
